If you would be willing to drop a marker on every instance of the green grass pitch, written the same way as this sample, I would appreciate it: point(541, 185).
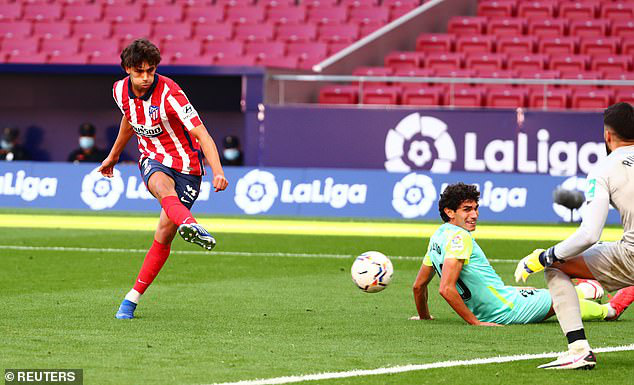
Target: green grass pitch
point(220, 317)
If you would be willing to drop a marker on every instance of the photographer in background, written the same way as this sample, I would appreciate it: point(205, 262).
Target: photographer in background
point(10, 149)
point(87, 151)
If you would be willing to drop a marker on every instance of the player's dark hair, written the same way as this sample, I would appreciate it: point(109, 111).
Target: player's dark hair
point(620, 118)
point(454, 195)
point(139, 51)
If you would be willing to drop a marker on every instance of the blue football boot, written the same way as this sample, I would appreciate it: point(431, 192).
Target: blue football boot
point(126, 310)
point(195, 233)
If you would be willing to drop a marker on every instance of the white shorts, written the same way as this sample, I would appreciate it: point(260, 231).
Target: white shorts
point(611, 264)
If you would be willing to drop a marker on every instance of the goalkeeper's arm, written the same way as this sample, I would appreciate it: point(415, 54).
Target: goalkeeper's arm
point(425, 275)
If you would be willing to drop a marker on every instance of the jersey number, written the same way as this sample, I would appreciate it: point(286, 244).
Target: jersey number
point(464, 291)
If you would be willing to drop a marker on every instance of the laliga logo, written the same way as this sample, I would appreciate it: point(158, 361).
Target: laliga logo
point(256, 192)
point(572, 183)
point(99, 192)
point(413, 195)
point(414, 132)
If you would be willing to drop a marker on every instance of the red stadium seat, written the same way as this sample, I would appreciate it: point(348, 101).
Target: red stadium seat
point(587, 75)
point(91, 30)
point(487, 61)
point(60, 46)
point(172, 31)
point(334, 47)
point(569, 63)
point(578, 10)
point(310, 4)
point(600, 46)
point(627, 48)
point(163, 13)
point(547, 27)
point(122, 13)
point(465, 97)
point(38, 12)
point(616, 64)
point(198, 60)
point(336, 15)
point(536, 9)
point(370, 27)
point(223, 48)
point(422, 96)
point(105, 47)
point(83, 12)
point(626, 96)
point(381, 95)
point(254, 32)
point(204, 14)
point(280, 62)
point(592, 28)
point(296, 32)
point(21, 46)
point(399, 60)
point(286, 15)
point(131, 30)
point(99, 58)
point(15, 28)
point(497, 74)
point(450, 61)
point(358, 3)
point(617, 11)
point(263, 50)
point(369, 15)
point(234, 3)
point(558, 45)
point(373, 71)
point(51, 29)
point(623, 28)
point(456, 73)
point(434, 42)
point(527, 62)
point(30, 58)
point(346, 33)
point(506, 27)
point(496, 8)
point(245, 15)
point(414, 72)
point(10, 11)
point(339, 95)
point(181, 48)
point(506, 98)
point(465, 25)
point(78, 58)
point(552, 98)
point(307, 51)
point(271, 4)
point(475, 44)
point(400, 8)
point(516, 44)
point(213, 32)
point(242, 60)
point(586, 99)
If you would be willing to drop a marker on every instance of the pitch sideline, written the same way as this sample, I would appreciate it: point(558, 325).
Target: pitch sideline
point(410, 368)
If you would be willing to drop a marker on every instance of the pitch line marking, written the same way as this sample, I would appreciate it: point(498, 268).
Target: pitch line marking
point(238, 253)
point(410, 368)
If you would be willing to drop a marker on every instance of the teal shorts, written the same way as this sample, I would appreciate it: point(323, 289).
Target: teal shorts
point(531, 306)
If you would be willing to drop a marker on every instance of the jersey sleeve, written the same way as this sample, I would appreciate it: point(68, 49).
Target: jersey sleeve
point(459, 246)
point(181, 108)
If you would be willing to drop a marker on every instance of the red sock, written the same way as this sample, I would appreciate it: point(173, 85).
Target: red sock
point(154, 261)
point(176, 212)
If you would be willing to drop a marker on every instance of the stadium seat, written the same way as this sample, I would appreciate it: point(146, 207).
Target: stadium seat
point(223, 48)
point(245, 15)
point(456, 73)
point(599, 46)
point(198, 60)
point(373, 71)
point(618, 76)
point(589, 28)
point(475, 44)
point(271, 4)
point(336, 15)
point(623, 28)
point(311, 4)
point(450, 61)
point(434, 42)
point(577, 10)
point(296, 32)
point(558, 45)
point(171, 31)
point(213, 32)
point(547, 27)
point(263, 50)
point(586, 99)
point(370, 27)
point(536, 9)
point(399, 60)
point(31, 58)
point(506, 98)
point(10, 11)
point(496, 9)
point(535, 62)
point(131, 30)
point(422, 96)
point(122, 13)
point(52, 29)
point(400, 8)
point(254, 32)
point(181, 48)
point(379, 15)
point(506, 27)
point(105, 47)
point(542, 75)
point(89, 30)
point(382, 95)
point(414, 72)
point(15, 28)
point(101, 59)
point(569, 63)
point(242, 60)
point(39, 12)
point(616, 64)
point(286, 15)
point(78, 58)
point(339, 95)
point(334, 47)
point(83, 12)
point(307, 52)
point(497, 74)
point(516, 44)
point(358, 3)
point(204, 14)
point(487, 61)
point(627, 48)
point(280, 62)
point(60, 46)
point(346, 33)
point(163, 13)
point(552, 98)
point(21, 46)
point(617, 11)
point(626, 96)
point(465, 25)
point(233, 3)
point(465, 97)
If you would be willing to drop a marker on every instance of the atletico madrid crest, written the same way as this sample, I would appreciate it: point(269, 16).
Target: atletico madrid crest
point(154, 112)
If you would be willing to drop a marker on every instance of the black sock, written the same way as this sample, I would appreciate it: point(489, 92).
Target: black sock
point(576, 335)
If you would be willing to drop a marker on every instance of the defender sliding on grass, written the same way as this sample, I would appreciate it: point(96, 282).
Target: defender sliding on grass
point(581, 255)
point(468, 282)
point(171, 136)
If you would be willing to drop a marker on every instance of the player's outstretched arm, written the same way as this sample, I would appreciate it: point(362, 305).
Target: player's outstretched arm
point(211, 154)
point(450, 273)
point(125, 133)
point(425, 275)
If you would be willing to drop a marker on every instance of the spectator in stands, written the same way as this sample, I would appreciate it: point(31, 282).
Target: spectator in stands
point(10, 149)
point(87, 151)
point(231, 154)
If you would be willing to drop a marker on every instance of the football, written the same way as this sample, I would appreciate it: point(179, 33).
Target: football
point(372, 271)
point(590, 289)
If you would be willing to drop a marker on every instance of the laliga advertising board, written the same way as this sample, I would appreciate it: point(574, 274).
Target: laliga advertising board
point(291, 192)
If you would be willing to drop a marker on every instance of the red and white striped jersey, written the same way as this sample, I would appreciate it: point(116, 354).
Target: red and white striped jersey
point(162, 119)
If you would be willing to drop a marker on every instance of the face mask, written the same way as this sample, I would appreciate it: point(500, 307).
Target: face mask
point(86, 142)
point(6, 145)
point(231, 153)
